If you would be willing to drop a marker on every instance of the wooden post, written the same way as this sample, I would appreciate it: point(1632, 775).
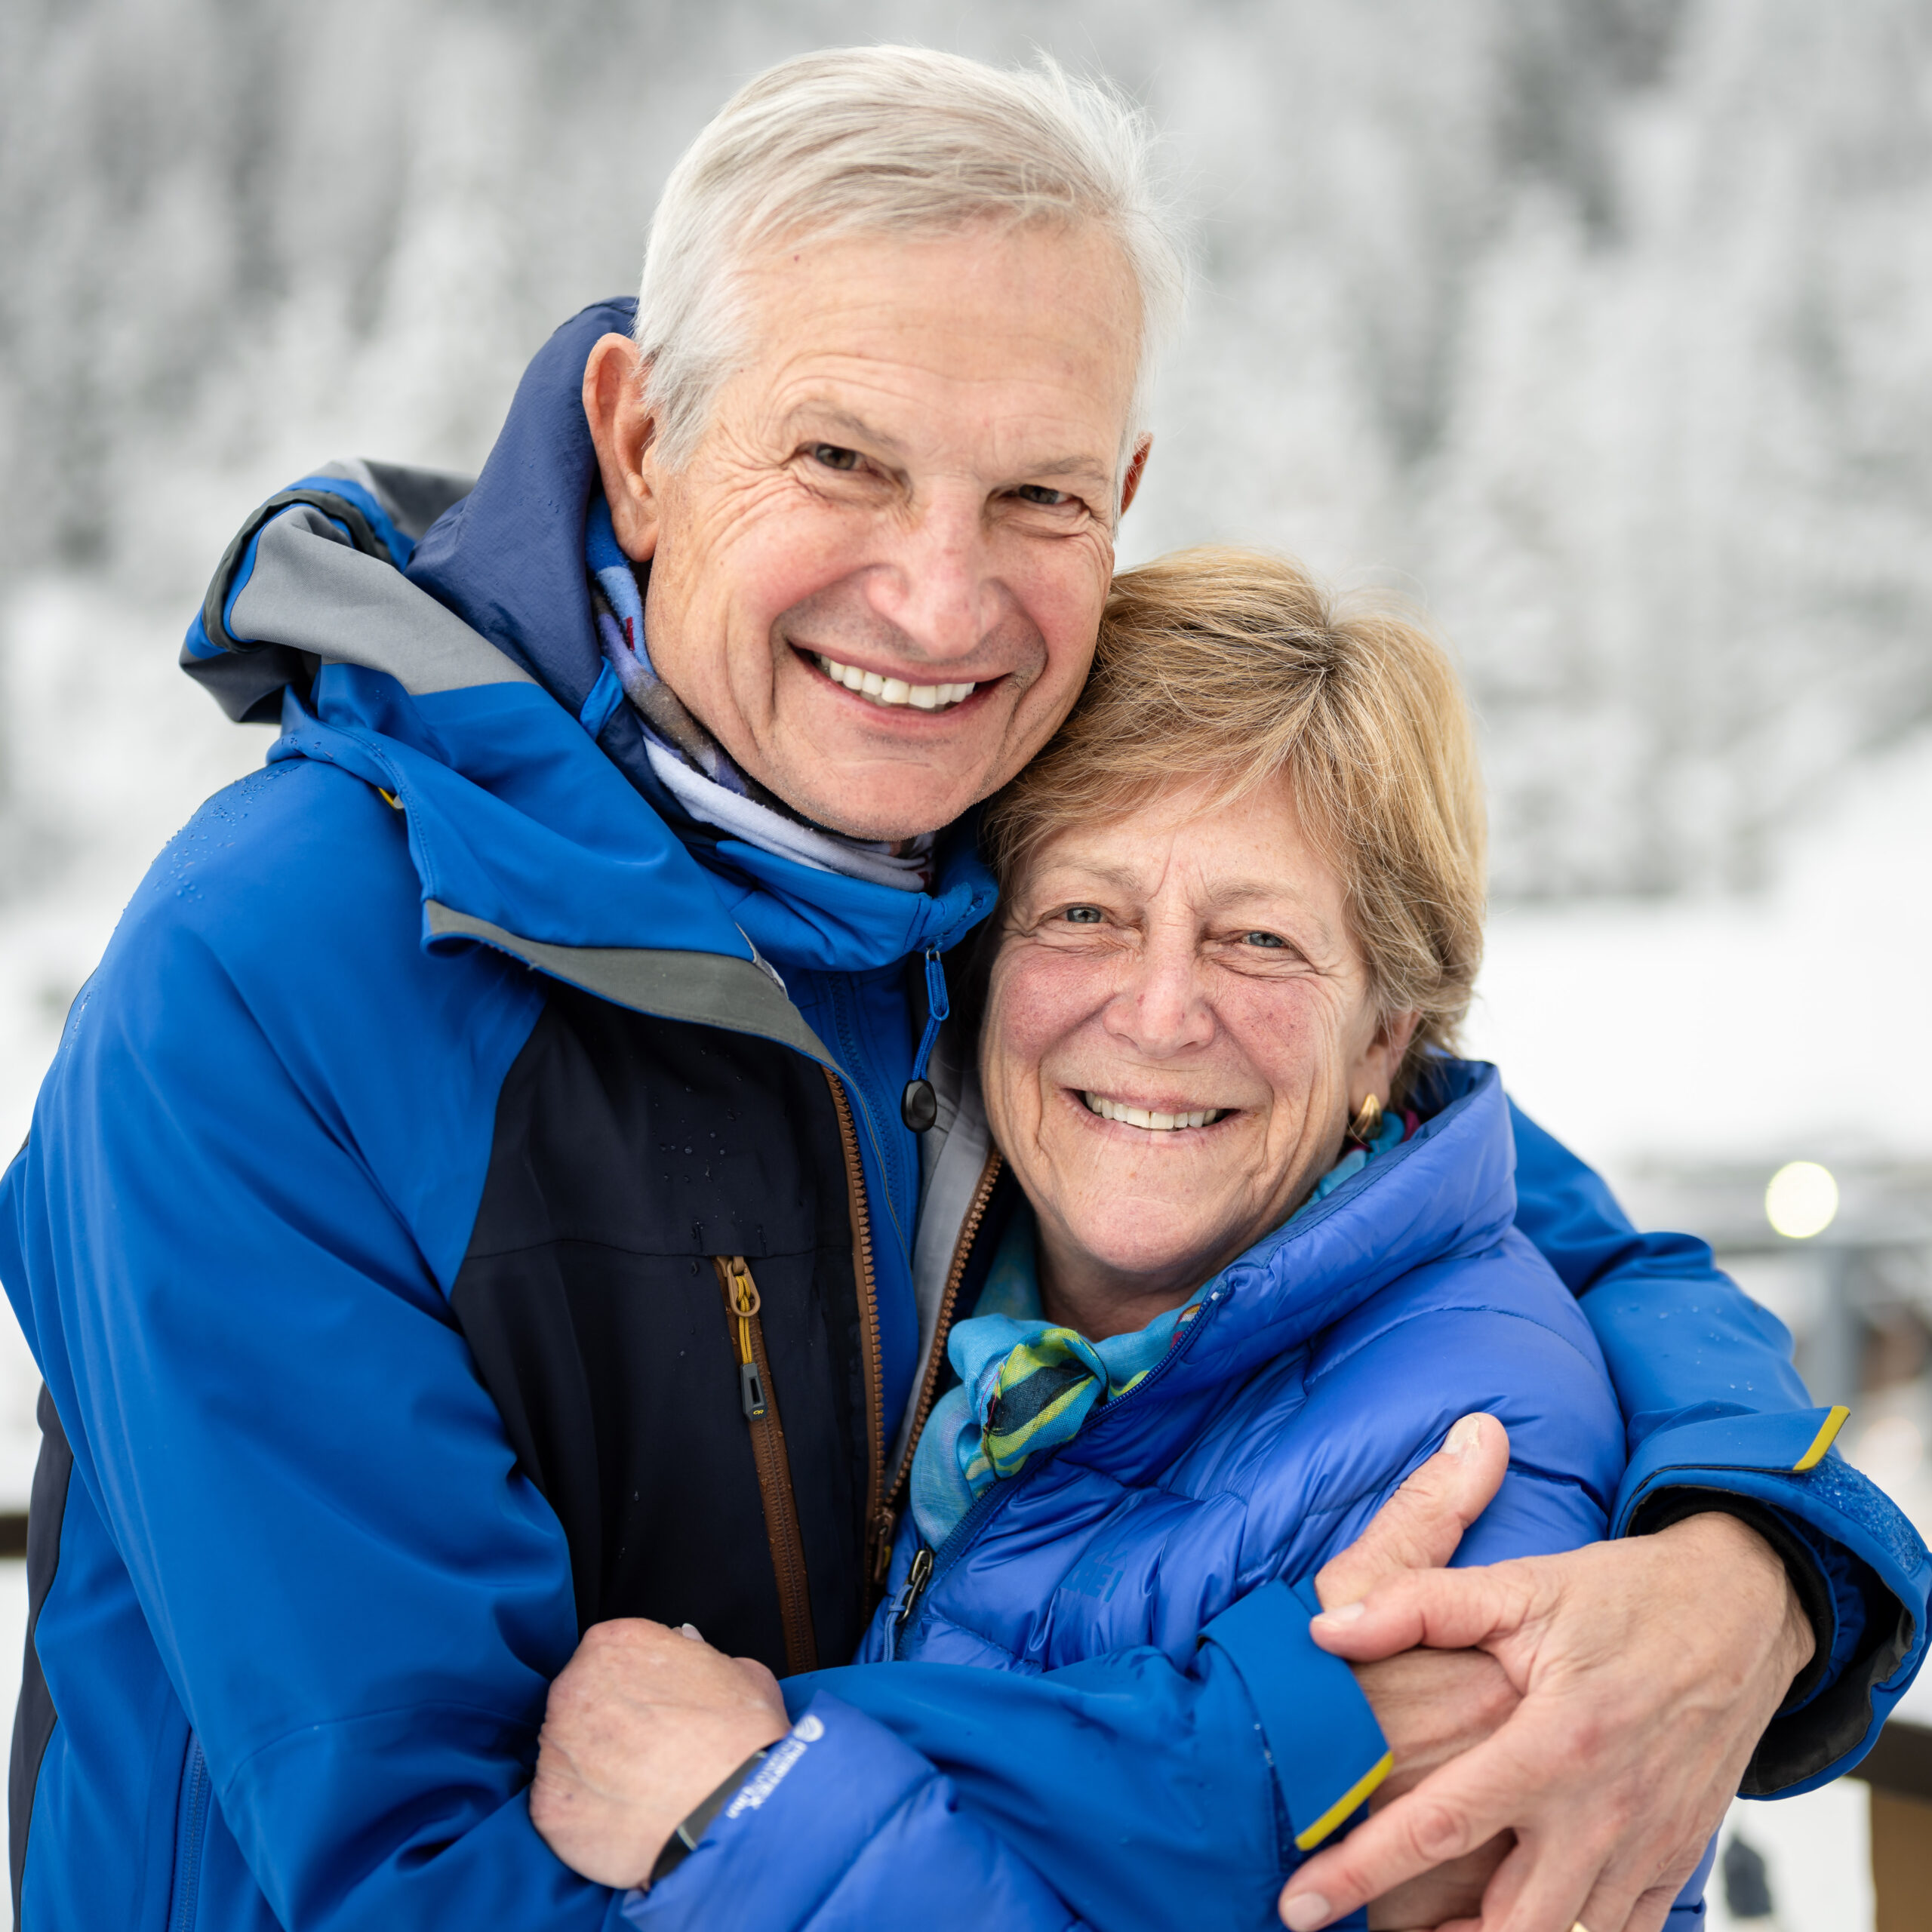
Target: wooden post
point(1898, 1769)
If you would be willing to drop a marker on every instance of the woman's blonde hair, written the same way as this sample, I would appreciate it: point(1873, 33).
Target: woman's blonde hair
point(1227, 668)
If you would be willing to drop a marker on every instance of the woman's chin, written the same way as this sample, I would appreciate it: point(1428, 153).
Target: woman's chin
point(1151, 1261)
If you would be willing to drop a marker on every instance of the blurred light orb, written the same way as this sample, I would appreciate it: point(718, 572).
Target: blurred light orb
point(1802, 1201)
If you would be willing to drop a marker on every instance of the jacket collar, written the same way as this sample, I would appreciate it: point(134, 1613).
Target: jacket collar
point(1449, 1191)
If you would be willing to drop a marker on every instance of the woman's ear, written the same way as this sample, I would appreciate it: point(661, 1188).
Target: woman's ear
point(623, 426)
point(1375, 1072)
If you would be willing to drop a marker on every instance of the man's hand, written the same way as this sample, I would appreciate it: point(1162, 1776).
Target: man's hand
point(644, 1724)
point(1431, 1706)
point(1647, 1670)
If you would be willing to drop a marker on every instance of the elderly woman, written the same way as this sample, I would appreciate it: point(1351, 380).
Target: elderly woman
point(1252, 1254)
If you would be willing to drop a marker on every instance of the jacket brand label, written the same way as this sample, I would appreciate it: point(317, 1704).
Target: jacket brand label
point(771, 1774)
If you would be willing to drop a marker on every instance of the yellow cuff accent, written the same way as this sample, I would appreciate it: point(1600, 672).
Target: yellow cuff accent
point(1822, 1440)
point(1308, 1840)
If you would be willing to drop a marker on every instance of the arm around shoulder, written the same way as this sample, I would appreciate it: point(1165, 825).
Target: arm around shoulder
point(1718, 1418)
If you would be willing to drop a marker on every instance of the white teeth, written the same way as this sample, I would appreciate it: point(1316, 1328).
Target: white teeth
point(1155, 1123)
point(894, 690)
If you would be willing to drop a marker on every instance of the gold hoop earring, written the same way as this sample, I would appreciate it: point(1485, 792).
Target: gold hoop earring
point(1366, 1124)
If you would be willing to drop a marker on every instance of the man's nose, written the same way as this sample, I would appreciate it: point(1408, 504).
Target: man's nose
point(1162, 1006)
point(939, 588)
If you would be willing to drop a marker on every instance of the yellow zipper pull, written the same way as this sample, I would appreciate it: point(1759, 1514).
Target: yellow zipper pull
point(745, 1304)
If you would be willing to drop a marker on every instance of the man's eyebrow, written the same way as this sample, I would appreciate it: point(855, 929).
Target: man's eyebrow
point(841, 422)
point(817, 413)
point(1070, 466)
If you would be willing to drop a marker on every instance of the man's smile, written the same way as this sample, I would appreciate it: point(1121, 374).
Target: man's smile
point(893, 694)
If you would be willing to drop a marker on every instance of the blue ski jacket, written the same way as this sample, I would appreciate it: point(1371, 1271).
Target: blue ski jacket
point(377, 1235)
point(1321, 1367)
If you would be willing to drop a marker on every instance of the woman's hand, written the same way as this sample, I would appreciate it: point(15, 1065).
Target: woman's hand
point(643, 1723)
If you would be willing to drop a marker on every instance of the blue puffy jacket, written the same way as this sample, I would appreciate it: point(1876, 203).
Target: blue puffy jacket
point(1325, 1363)
point(363, 1238)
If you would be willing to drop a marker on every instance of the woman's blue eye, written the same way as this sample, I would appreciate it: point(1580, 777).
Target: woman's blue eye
point(1085, 915)
point(1262, 939)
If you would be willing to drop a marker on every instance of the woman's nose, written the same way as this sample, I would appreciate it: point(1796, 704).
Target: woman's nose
point(1162, 1008)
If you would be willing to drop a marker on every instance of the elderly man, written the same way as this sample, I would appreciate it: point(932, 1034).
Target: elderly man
point(500, 1181)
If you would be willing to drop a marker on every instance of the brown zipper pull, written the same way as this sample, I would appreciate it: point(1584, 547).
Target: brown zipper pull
point(884, 1523)
point(743, 1292)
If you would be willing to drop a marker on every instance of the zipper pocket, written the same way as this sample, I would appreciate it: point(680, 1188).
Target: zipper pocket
point(759, 1403)
point(191, 1834)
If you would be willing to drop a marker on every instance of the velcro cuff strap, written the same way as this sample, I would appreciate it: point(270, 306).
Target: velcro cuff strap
point(1327, 1751)
point(1784, 1443)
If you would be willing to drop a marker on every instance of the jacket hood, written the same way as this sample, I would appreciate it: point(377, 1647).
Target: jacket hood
point(435, 638)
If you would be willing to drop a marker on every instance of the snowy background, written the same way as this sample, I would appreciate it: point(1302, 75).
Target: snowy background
point(1603, 327)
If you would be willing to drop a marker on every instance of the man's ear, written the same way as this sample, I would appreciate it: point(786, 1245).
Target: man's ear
point(624, 429)
point(1137, 468)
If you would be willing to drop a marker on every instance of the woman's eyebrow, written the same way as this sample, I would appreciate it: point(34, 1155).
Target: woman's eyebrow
point(1230, 893)
point(1056, 879)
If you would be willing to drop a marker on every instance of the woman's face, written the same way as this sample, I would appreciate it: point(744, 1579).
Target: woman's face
point(1180, 1027)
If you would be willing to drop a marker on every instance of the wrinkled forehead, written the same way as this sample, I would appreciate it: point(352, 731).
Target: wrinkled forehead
point(1185, 841)
point(989, 328)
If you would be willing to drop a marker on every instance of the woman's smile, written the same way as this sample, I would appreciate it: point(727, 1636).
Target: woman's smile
point(1154, 1116)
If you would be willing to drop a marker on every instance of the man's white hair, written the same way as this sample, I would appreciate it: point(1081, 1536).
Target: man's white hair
point(891, 139)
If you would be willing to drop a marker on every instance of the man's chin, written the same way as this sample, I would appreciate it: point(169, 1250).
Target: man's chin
point(880, 809)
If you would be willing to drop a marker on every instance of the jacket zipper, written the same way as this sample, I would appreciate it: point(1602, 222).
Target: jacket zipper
point(195, 1803)
point(756, 1398)
point(969, 1228)
point(928, 1565)
point(878, 1527)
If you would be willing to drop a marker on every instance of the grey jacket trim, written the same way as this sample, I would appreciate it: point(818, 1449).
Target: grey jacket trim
point(703, 988)
point(317, 595)
point(311, 591)
point(414, 498)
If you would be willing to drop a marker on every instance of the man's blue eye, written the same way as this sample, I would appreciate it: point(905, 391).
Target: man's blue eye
point(1262, 939)
point(1085, 915)
point(833, 457)
point(1038, 492)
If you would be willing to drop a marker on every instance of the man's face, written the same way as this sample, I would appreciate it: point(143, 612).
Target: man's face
point(909, 486)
